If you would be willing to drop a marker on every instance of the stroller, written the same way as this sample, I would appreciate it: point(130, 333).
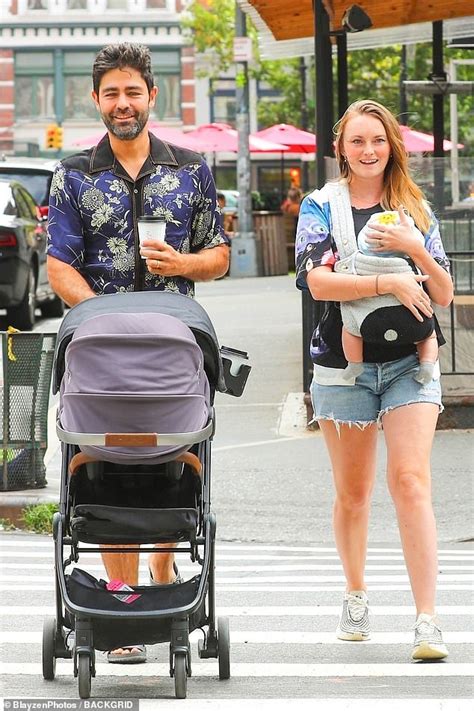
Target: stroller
point(137, 374)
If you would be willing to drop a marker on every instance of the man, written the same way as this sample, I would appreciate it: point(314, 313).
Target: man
point(95, 200)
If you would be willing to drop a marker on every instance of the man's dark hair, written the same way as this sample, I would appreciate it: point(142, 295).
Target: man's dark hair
point(118, 56)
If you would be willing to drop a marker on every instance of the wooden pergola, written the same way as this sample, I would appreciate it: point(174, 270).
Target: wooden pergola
point(288, 20)
point(323, 19)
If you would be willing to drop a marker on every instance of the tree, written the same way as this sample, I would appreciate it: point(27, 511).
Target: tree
point(373, 73)
point(211, 24)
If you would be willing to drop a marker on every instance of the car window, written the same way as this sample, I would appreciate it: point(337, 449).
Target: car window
point(31, 207)
point(37, 184)
point(21, 204)
point(7, 203)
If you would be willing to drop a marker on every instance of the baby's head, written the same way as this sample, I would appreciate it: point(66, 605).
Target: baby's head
point(386, 218)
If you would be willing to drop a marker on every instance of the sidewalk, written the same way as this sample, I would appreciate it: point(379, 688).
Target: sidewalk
point(263, 317)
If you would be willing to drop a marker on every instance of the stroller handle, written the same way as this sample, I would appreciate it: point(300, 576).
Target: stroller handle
point(134, 439)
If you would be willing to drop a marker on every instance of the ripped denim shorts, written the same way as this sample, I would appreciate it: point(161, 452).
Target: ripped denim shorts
point(380, 388)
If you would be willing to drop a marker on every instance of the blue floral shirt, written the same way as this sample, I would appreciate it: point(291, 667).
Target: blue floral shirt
point(94, 207)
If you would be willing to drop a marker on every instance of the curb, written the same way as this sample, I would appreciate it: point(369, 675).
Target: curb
point(13, 503)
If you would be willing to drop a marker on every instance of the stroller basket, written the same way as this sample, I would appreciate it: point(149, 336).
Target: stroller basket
point(90, 593)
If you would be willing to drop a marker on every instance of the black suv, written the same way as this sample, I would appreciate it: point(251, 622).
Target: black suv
point(23, 277)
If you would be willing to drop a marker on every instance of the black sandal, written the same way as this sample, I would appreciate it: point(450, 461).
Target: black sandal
point(136, 657)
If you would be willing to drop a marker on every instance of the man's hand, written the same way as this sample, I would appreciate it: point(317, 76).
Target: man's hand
point(164, 260)
point(67, 282)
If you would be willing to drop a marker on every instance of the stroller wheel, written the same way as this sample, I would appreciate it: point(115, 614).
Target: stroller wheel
point(84, 675)
point(180, 676)
point(223, 647)
point(48, 652)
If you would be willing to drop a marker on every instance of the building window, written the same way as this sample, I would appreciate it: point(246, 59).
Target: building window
point(168, 102)
point(37, 4)
point(78, 102)
point(76, 4)
point(167, 71)
point(156, 4)
point(117, 4)
point(34, 96)
point(34, 85)
point(223, 108)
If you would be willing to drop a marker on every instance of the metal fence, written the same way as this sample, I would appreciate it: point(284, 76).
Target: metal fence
point(25, 370)
point(457, 322)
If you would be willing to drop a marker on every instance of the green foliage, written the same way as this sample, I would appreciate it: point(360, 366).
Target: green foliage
point(6, 525)
point(39, 517)
point(212, 28)
point(257, 201)
point(284, 76)
point(373, 73)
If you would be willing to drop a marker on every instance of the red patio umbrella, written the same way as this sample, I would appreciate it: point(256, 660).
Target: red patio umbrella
point(217, 137)
point(417, 141)
point(220, 137)
point(297, 140)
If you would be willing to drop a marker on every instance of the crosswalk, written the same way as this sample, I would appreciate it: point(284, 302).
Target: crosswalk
point(283, 604)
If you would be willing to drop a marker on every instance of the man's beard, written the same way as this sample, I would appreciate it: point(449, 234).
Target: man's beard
point(129, 131)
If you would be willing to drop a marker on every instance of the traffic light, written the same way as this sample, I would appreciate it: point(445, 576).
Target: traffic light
point(51, 135)
point(295, 177)
point(54, 136)
point(58, 138)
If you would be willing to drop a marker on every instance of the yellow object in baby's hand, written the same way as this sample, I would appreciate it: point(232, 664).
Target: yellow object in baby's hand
point(390, 217)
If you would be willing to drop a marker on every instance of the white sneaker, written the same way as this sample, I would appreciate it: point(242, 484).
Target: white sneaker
point(354, 625)
point(428, 639)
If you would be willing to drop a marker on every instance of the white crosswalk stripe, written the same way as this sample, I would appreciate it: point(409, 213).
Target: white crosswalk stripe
point(283, 604)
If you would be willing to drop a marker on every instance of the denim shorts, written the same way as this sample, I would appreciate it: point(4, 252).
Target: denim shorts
point(380, 388)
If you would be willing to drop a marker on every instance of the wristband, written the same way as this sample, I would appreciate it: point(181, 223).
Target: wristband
point(377, 292)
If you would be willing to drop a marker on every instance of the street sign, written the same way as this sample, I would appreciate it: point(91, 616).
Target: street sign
point(242, 49)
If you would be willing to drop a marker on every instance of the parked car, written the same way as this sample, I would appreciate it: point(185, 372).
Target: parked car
point(34, 173)
point(23, 278)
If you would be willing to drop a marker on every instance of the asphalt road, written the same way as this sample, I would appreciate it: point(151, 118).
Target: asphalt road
point(279, 579)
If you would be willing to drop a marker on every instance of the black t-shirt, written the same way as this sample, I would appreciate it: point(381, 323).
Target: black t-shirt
point(330, 327)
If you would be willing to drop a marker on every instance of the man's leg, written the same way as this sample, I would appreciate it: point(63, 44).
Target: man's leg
point(161, 565)
point(124, 567)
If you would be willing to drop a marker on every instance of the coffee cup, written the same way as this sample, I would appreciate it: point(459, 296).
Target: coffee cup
point(151, 227)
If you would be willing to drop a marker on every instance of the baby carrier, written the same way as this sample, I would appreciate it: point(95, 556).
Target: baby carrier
point(377, 319)
point(137, 374)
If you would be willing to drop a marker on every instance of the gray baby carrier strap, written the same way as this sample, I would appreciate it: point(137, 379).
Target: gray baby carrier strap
point(351, 261)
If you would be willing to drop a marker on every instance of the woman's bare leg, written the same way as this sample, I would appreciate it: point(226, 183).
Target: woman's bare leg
point(353, 456)
point(409, 433)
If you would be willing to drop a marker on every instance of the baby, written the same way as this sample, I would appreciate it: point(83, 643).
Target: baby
point(353, 345)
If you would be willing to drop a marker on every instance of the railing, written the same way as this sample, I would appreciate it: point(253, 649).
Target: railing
point(457, 322)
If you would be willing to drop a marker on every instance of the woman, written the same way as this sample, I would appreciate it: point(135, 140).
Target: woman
point(374, 174)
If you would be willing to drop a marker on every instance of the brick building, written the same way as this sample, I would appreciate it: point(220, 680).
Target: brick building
point(47, 48)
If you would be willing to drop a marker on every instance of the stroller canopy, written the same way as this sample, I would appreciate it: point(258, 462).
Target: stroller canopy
point(134, 372)
point(181, 307)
